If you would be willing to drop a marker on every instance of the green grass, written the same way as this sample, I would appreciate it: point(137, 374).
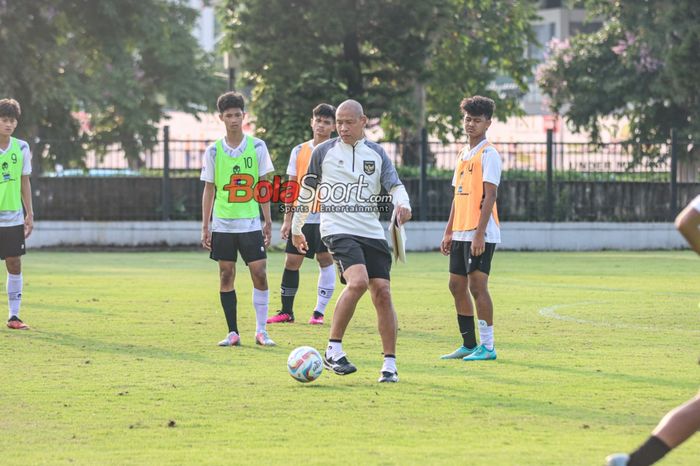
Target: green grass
point(123, 343)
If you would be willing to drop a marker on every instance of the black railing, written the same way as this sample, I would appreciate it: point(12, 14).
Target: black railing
point(541, 181)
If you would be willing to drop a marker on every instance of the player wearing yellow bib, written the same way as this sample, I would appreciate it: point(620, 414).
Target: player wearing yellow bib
point(322, 125)
point(16, 223)
point(473, 231)
point(231, 215)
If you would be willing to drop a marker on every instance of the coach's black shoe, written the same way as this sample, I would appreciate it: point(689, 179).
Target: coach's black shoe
point(340, 366)
point(388, 376)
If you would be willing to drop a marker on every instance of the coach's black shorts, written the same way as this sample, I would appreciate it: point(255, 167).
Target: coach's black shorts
point(226, 246)
point(312, 233)
point(348, 250)
point(11, 241)
point(462, 262)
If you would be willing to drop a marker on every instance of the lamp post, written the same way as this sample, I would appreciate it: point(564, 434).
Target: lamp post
point(229, 65)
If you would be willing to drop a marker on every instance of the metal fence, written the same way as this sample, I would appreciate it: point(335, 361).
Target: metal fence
point(547, 180)
point(617, 161)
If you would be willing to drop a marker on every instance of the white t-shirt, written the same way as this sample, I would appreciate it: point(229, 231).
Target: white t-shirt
point(236, 225)
point(491, 169)
point(349, 180)
point(695, 203)
point(11, 218)
point(292, 171)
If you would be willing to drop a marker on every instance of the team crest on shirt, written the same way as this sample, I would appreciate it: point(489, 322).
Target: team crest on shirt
point(369, 167)
point(236, 169)
point(6, 172)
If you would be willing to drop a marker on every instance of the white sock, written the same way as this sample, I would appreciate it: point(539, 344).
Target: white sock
point(486, 334)
point(389, 364)
point(261, 301)
point(334, 350)
point(326, 285)
point(14, 294)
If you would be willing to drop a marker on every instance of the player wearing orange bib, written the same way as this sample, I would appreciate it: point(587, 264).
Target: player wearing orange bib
point(322, 125)
point(473, 230)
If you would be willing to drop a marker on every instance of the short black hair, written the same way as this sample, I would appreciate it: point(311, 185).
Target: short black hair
point(478, 106)
point(10, 108)
point(324, 110)
point(230, 100)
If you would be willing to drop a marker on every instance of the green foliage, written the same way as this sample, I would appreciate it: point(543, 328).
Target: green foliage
point(410, 171)
point(577, 175)
point(119, 63)
point(479, 41)
point(296, 54)
point(642, 65)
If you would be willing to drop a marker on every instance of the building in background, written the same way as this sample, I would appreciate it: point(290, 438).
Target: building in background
point(207, 30)
point(557, 21)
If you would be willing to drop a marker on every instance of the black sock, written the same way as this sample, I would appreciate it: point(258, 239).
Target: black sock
point(290, 284)
point(229, 302)
point(466, 328)
point(649, 453)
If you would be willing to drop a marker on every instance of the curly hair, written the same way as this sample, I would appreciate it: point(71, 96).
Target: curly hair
point(230, 100)
point(478, 106)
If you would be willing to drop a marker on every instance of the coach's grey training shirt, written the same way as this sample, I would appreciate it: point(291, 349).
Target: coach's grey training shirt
point(348, 180)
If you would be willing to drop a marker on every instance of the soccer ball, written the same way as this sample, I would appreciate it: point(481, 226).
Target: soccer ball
point(305, 364)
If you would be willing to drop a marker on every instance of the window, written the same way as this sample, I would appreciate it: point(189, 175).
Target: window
point(543, 34)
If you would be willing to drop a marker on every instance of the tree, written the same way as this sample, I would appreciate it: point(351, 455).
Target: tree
point(119, 63)
point(480, 41)
point(298, 53)
point(642, 66)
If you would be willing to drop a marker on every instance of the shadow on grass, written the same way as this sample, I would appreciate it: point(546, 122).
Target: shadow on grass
point(597, 373)
point(562, 369)
point(79, 307)
point(100, 346)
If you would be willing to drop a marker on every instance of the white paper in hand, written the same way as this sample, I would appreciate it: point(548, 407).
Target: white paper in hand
point(398, 239)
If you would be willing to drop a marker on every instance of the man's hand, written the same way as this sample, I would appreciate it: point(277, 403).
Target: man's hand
point(206, 237)
point(285, 230)
point(267, 233)
point(28, 225)
point(403, 214)
point(299, 242)
point(446, 244)
point(478, 244)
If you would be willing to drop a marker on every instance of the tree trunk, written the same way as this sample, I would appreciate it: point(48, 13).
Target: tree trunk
point(352, 57)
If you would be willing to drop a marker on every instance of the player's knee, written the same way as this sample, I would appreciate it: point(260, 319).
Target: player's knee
point(226, 276)
point(382, 295)
point(324, 262)
point(13, 265)
point(477, 290)
point(456, 287)
point(292, 263)
point(260, 279)
point(359, 284)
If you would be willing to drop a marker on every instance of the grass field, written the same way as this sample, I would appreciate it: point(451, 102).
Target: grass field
point(122, 367)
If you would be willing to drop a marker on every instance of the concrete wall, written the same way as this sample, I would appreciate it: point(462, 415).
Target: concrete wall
point(422, 236)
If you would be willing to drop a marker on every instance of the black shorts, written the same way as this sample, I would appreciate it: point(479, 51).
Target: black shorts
point(226, 246)
point(348, 250)
point(462, 262)
point(312, 233)
point(12, 242)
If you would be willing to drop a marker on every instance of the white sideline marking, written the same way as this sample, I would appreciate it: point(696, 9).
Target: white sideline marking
point(551, 312)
